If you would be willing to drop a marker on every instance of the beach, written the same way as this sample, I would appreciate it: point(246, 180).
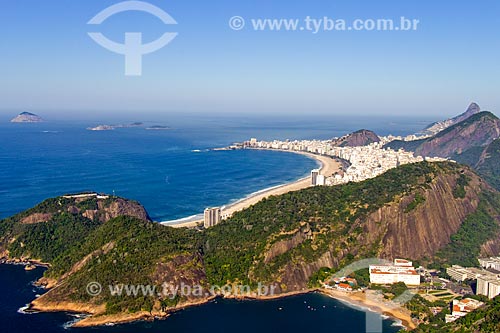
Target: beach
point(368, 300)
point(328, 167)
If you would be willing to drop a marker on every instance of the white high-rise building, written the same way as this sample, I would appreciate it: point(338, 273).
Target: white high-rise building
point(314, 176)
point(212, 216)
point(488, 285)
point(320, 180)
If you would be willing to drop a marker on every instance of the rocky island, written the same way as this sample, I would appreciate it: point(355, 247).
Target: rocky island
point(112, 127)
point(27, 117)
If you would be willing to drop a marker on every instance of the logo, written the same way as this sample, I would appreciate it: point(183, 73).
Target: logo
point(133, 49)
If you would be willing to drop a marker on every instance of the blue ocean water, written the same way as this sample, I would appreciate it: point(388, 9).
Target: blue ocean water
point(171, 172)
point(174, 174)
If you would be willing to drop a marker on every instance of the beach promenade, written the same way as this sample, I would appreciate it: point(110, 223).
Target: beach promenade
point(327, 168)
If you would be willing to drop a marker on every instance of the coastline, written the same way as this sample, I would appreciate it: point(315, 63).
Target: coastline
point(327, 167)
point(361, 301)
point(94, 314)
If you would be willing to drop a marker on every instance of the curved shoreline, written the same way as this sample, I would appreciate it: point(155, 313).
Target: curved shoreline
point(328, 166)
point(356, 300)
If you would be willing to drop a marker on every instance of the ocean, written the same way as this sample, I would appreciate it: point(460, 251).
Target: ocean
point(174, 174)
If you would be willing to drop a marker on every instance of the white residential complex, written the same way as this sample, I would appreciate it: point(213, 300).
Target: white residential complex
point(459, 273)
point(365, 161)
point(212, 216)
point(401, 271)
point(488, 285)
point(490, 263)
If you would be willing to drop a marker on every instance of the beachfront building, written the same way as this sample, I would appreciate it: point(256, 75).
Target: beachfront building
point(459, 273)
point(460, 308)
point(365, 162)
point(401, 271)
point(320, 180)
point(212, 216)
point(314, 176)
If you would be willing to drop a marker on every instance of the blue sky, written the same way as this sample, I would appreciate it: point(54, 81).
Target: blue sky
point(49, 64)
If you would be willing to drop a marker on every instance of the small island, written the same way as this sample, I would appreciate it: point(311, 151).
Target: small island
point(27, 117)
point(112, 127)
point(158, 128)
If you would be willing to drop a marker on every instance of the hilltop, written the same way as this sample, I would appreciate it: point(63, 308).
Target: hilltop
point(362, 137)
point(283, 240)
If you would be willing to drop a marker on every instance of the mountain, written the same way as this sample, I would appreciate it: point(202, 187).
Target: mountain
point(27, 117)
point(282, 241)
point(474, 141)
point(56, 225)
point(437, 127)
point(477, 131)
point(359, 138)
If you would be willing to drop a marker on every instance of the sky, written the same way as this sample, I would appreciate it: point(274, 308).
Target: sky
point(50, 65)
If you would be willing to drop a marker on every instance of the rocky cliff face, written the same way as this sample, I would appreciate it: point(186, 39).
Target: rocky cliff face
point(359, 138)
point(428, 227)
point(118, 207)
point(92, 207)
point(393, 231)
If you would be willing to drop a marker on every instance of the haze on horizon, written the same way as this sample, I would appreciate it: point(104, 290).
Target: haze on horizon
point(50, 66)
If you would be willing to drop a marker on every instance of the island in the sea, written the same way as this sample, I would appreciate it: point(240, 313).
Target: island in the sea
point(112, 127)
point(158, 128)
point(27, 117)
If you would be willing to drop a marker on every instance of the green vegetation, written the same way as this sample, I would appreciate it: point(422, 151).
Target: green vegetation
point(485, 319)
point(419, 198)
point(137, 246)
point(459, 190)
point(47, 241)
point(478, 227)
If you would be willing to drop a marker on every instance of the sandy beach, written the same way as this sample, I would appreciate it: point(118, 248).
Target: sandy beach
point(370, 301)
point(328, 167)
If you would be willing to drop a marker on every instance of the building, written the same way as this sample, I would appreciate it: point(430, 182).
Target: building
point(314, 176)
point(459, 273)
point(401, 271)
point(462, 308)
point(344, 287)
point(212, 216)
point(320, 180)
point(488, 285)
point(490, 263)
